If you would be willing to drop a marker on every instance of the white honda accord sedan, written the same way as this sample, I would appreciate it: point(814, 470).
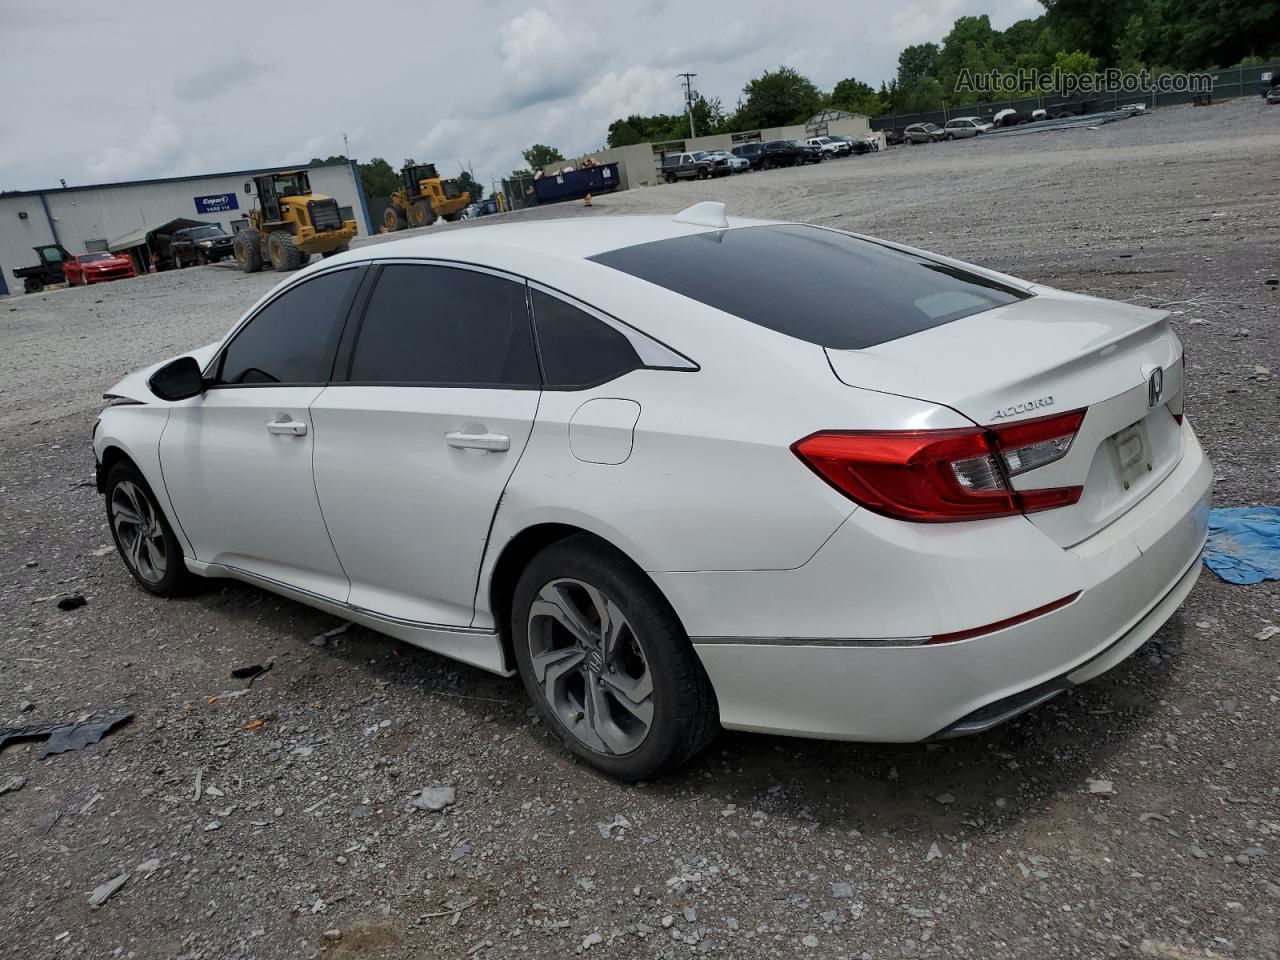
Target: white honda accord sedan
point(684, 473)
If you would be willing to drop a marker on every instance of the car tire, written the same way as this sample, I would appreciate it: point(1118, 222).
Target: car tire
point(670, 712)
point(670, 177)
point(766, 164)
point(142, 535)
point(393, 218)
point(703, 173)
point(947, 136)
point(284, 253)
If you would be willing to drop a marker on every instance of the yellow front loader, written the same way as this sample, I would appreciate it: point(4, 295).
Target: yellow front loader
point(289, 223)
point(424, 198)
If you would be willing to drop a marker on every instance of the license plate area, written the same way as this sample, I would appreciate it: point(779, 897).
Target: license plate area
point(1132, 454)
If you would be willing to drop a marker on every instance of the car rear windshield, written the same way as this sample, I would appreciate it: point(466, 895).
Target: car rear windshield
point(822, 286)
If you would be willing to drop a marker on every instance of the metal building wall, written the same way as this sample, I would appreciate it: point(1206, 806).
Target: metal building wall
point(81, 215)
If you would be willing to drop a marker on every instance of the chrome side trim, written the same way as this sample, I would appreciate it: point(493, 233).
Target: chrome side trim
point(814, 641)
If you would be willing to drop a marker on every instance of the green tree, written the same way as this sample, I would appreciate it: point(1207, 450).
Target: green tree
point(379, 178)
point(471, 186)
point(855, 96)
point(915, 62)
point(776, 98)
point(540, 155)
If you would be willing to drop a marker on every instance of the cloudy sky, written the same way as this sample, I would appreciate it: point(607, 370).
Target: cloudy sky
point(118, 93)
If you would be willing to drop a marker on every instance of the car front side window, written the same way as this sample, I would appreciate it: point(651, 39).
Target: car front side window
point(292, 339)
point(433, 325)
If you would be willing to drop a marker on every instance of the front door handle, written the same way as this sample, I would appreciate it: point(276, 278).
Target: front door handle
point(286, 426)
point(494, 442)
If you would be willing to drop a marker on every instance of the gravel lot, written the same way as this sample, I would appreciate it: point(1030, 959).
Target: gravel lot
point(1138, 816)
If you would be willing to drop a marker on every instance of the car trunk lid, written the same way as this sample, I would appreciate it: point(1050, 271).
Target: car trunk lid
point(1052, 353)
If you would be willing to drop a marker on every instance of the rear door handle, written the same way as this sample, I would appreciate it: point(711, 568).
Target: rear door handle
point(494, 442)
point(287, 427)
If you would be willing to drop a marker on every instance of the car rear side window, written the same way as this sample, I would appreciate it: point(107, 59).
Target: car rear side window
point(446, 326)
point(579, 350)
point(818, 285)
point(292, 338)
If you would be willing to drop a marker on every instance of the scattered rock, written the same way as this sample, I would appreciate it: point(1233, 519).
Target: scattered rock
point(12, 784)
point(810, 941)
point(616, 822)
point(1267, 632)
point(460, 851)
point(590, 940)
point(1198, 853)
point(1103, 787)
point(841, 890)
point(108, 890)
point(945, 799)
point(334, 934)
point(212, 825)
point(434, 799)
point(934, 852)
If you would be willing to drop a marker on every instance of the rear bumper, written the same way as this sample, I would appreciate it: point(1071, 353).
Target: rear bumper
point(838, 672)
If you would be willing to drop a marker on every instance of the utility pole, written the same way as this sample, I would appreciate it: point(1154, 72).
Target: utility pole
point(688, 100)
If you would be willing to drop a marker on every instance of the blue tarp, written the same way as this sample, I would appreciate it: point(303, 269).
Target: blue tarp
point(1244, 544)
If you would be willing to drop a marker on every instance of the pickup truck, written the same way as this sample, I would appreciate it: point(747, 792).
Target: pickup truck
point(687, 166)
point(49, 271)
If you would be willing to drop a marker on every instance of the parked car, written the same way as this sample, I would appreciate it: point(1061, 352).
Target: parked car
point(687, 166)
point(207, 243)
point(922, 133)
point(812, 154)
point(753, 153)
point(894, 138)
point(856, 146)
point(48, 271)
point(86, 268)
point(1273, 95)
point(961, 128)
point(736, 164)
point(672, 501)
point(829, 146)
point(775, 153)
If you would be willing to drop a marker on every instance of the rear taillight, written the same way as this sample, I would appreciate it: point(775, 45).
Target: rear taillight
point(935, 476)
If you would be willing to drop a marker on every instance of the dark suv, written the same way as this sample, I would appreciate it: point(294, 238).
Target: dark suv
point(203, 244)
point(777, 153)
point(686, 166)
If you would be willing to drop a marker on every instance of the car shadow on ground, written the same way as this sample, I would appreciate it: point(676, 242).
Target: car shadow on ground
point(1009, 774)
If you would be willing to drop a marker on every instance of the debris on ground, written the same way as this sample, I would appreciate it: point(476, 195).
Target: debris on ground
point(62, 737)
point(434, 799)
point(616, 822)
point(250, 673)
point(72, 602)
point(1244, 544)
point(1267, 632)
point(1102, 787)
point(322, 639)
point(108, 890)
point(13, 784)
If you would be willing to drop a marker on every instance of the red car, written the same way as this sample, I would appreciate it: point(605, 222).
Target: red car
point(97, 268)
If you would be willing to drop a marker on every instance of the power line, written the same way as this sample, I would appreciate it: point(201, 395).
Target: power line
point(689, 101)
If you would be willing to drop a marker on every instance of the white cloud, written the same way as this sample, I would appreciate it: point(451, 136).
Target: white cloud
point(642, 90)
point(728, 42)
point(544, 58)
point(154, 150)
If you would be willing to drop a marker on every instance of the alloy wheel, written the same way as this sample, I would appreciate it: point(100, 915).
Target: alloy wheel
point(590, 666)
point(139, 532)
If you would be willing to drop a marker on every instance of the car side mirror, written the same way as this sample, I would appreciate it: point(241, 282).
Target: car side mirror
point(179, 379)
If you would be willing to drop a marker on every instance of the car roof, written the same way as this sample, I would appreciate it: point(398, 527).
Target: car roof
point(575, 238)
